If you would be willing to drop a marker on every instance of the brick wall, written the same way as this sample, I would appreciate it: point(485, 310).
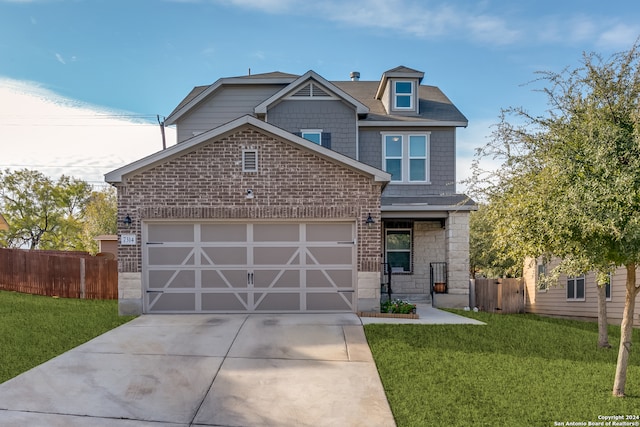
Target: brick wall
point(291, 183)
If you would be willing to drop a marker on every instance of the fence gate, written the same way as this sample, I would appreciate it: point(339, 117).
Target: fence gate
point(500, 295)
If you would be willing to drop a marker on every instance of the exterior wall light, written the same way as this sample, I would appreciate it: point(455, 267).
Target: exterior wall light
point(127, 221)
point(369, 221)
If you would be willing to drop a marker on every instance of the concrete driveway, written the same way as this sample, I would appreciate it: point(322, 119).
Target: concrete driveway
point(207, 370)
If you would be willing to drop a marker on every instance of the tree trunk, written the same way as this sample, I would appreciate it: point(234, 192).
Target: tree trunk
point(626, 330)
point(603, 335)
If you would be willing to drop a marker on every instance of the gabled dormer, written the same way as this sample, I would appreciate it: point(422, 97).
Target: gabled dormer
point(398, 91)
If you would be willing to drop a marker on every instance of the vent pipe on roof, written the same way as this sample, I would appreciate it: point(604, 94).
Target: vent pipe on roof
point(355, 76)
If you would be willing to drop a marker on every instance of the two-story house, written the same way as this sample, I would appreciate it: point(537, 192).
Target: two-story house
point(291, 193)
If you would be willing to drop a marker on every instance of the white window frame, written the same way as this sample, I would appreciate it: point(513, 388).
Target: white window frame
point(406, 156)
point(244, 160)
point(610, 285)
point(411, 95)
point(575, 280)
point(318, 132)
point(541, 269)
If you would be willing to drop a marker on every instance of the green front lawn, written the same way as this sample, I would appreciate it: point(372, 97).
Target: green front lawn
point(33, 329)
point(518, 370)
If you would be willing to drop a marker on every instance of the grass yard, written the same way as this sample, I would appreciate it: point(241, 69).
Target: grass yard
point(34, 329)
point(518, 370)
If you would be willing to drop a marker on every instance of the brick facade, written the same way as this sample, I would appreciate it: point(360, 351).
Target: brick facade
point(292, 183)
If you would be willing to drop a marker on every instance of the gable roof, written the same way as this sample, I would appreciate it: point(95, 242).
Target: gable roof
point(435, 109)
point(311, 75)
point(177, 150)
point(200, 93)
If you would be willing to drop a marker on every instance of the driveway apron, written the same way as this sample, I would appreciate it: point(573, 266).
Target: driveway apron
point(208, 370)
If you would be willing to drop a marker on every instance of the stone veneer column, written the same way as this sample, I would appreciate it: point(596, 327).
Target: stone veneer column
point(457, 243)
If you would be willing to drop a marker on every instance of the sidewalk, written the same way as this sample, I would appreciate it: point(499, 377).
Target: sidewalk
point(428, 315)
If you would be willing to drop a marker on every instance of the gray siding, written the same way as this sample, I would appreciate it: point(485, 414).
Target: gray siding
point(224, 105)
point(441, 161)
point(331, 116)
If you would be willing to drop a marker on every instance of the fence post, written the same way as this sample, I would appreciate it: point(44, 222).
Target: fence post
point(82, 278)
point(472, 293)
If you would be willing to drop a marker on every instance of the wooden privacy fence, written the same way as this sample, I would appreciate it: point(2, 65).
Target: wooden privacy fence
point(500, 295)
point(72, 275)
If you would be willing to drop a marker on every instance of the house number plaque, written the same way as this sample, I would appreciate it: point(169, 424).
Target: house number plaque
point(127, 239)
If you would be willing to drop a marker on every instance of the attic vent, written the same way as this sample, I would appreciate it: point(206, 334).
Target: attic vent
point(304, 92)
point(317, 91)
point(249, 160)
point(311, 90)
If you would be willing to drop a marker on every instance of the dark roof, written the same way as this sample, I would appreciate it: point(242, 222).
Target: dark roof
point(271, 75)
point(434, 105)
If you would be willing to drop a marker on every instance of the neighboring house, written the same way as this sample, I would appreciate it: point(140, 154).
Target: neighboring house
point(4, 225)
point(288, 193)
point(107, 245)
point(574, 296)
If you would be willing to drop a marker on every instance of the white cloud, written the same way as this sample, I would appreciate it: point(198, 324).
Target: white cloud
point(42, 130)
point(620, 36)
point(60, 59)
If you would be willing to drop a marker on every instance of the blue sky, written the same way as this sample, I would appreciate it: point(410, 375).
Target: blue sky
point(138, 58)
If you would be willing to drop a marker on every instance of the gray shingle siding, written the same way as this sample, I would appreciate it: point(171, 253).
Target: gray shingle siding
point(224, 105)
point(441, 165)
point(331, 116)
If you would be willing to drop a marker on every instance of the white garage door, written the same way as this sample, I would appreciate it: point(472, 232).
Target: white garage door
point(240, 267)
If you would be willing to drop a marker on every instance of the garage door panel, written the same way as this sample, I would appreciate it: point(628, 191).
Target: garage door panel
point(223, 232)
point(276, 278)
point(172, 302)
point(159, 279)
point(225, 302)
point(329, 255)
point(171, 256)
point(170, 233)
point(249, 267)
point(224, 278)
point(329, 232)
point(224, 256)
point(276, 256)
point(329, 278)
point(276, 233)
point(277, 301)
point(329, 301)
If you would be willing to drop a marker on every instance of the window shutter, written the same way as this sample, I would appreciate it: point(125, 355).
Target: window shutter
point(326, 140)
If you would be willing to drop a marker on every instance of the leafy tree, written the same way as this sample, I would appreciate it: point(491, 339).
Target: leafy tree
point(484, 257)
point(42, 213)
point(100, 217)
point(569, 185)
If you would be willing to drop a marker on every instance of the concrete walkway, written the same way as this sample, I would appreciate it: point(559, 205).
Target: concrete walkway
point(212, 370)
point(207, 370)
point(428, 315)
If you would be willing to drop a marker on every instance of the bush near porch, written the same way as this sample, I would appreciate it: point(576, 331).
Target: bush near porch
point(517, 370)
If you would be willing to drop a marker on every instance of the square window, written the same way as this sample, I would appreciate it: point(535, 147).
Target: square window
point(405, 157)
point(314, 136)
point(575, 288)
point(403, 96)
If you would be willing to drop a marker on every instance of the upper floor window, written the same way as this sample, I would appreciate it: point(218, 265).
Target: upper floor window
point(313, 135)
point(575, 288)
point(403, 95)
point(405, 157)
